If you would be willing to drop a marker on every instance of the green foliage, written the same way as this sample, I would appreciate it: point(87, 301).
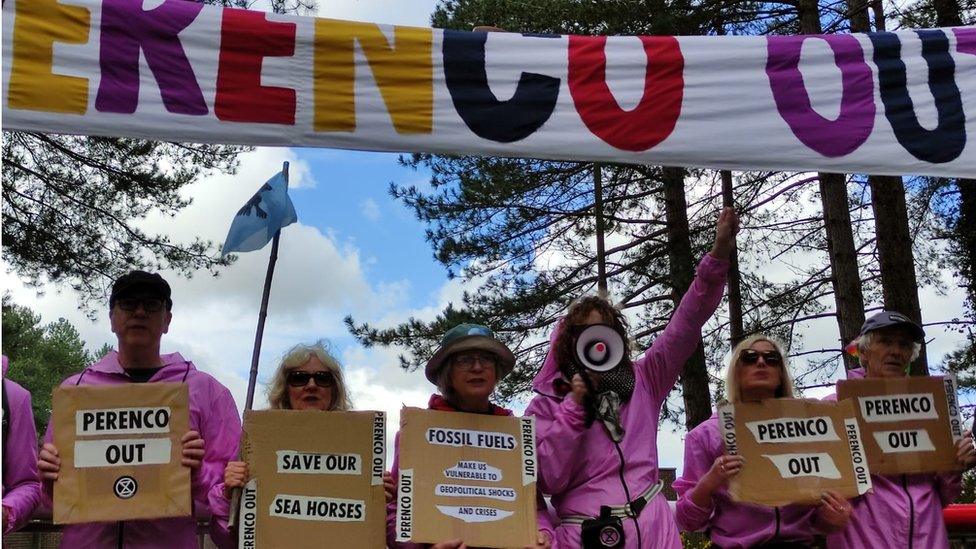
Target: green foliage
point(695, 540)
point(40, 356)
point(967, 492)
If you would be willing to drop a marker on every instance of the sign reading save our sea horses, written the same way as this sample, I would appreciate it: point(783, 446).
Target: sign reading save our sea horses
point(315, 479)
point(882, 103)
point(121, 452)
point(467, 476)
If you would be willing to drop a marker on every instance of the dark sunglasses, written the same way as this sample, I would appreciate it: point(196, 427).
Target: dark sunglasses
point(771, 358)
point(300, 379)
point(149, 304)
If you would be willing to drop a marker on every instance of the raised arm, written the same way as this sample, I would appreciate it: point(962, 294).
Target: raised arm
point(662, 363)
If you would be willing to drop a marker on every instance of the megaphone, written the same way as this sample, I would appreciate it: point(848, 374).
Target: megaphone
point(599, 347)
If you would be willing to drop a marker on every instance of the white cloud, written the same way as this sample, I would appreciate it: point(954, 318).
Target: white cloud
point(370, 209)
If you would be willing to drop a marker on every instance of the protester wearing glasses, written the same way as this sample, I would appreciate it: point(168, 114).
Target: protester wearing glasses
point(757, 371)
point(598, 447)
point(465, 368)
point(900, 510)
point(140, 311)
point(308, 378)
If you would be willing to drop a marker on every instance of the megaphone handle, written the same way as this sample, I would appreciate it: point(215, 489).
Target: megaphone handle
point(589, 402)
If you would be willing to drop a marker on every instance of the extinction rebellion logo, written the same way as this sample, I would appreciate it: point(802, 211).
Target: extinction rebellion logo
point(125, 487)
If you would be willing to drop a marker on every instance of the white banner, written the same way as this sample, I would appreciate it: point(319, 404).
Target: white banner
point(884, 103)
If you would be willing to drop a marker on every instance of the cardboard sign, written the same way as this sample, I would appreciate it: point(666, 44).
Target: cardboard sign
point(121, 452)
point(313, 477)
point(910, 424)
point(794, 449)
point(467, 476)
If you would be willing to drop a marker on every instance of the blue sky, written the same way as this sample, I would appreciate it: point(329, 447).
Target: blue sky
point(351, 199)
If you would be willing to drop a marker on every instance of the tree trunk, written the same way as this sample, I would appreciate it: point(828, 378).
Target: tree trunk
point(898, 282)
point(736, 330)
point(846, 278)
point(947, 13)
point(694, 377)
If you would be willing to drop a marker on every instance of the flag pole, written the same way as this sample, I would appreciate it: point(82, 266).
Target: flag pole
point(263, 315)
point(258, 337)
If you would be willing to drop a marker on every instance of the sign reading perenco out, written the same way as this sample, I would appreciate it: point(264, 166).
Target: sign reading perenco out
point(120, 452)
point(794, 449)
point(910, 424)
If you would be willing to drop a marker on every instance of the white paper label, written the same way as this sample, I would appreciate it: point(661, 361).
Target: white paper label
point(955, 421)
point(477, 439)
point(122, 421)
point(805, 465)
point(474, 470)
point(726, 423)
point(461, 491)
point(248, 521)
point(404, 516)
point(902, 407)
point(291, 461)
point(379, 448)
point(860, 461)
point(793, 429)
point(129, 451)
point(475, 514)
point(529, 460)
point(897, 442)
point(318, 508)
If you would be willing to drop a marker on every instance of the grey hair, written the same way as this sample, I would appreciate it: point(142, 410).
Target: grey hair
point(732, 392)
point(296, 357)
point(444, 385)
point(865, 341)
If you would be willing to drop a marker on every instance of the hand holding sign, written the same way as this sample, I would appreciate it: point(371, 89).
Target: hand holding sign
point(834, 512)
point(235, 476)
point(48, 462)
point(724, 468)
point(193, 450)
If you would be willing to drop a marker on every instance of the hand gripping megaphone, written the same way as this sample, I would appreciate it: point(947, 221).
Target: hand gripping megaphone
point(599, 347)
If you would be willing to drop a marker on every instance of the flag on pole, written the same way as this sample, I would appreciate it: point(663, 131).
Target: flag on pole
point(262, 216)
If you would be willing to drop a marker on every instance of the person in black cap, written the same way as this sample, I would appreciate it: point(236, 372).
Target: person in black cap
point(140, 312)
point(466, 368)
point(900, 510)
point(888, 343)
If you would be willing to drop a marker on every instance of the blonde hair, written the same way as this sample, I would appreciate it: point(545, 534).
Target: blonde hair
point(295, 358)
point(732, 392)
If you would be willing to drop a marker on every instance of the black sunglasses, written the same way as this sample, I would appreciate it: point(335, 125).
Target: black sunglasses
point(149, 304)
point(300, 379)
point(772, 358)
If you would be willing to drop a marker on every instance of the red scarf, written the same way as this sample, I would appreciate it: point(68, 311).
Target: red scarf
point(439, 403)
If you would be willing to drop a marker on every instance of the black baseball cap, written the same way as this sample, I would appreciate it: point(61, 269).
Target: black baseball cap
point(888, 319)
point(142, 283)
